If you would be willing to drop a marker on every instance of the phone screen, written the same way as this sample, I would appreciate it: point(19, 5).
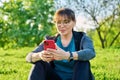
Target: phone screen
point(49, 44)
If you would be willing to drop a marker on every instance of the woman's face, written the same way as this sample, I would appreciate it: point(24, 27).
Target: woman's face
point(64, 26)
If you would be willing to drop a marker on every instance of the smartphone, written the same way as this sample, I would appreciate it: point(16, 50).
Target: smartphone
point(49, 44)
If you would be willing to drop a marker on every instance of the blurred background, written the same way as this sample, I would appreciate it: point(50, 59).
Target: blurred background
point(24, 23)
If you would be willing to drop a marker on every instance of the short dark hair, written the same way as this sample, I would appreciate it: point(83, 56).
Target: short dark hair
point(64, 12)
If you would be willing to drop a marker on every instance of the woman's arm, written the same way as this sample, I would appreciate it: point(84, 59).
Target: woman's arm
point(34, 56)
point(87, 52)
point(39, 54)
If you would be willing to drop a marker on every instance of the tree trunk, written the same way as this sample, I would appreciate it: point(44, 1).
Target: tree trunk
point(114, 39)
point(100, 37)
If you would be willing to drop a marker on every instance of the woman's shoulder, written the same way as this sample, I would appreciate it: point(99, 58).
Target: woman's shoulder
point(79, 33)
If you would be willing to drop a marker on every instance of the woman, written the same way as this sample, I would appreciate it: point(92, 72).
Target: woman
point(71, 58)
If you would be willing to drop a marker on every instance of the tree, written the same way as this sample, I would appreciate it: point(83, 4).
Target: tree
point(25, 22)
point(109, 10)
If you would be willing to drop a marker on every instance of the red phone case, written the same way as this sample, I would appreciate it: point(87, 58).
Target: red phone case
point(49, 44)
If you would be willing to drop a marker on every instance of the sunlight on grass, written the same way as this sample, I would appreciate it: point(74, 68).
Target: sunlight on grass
point(105, 66)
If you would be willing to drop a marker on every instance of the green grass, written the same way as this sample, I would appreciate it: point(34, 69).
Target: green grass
point(105, 66)
point(13, 65)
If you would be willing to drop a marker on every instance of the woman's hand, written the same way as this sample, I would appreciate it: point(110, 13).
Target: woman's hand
point(59, 54)
point(46, 56)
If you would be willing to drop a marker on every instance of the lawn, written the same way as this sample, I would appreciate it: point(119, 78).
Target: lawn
point(105, 66)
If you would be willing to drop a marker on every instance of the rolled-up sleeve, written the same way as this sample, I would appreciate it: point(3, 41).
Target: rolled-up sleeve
point(87, 51)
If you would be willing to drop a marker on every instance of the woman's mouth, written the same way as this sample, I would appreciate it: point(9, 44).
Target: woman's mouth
point(62, 30)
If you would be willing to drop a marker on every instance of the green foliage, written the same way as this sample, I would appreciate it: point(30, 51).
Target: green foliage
point(110, 35)
point(105, 15)
point(94, 36)
point(109, 30)
point(26, 22)
point(105, 66)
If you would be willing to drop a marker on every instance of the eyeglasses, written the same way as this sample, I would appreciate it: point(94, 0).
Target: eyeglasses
point(64, 22)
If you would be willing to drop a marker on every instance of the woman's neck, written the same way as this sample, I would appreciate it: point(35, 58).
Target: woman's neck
point(66, 37)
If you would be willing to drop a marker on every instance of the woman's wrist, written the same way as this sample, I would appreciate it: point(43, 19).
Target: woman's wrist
point(35, 57)
point(75, 55)
point(67, 55)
